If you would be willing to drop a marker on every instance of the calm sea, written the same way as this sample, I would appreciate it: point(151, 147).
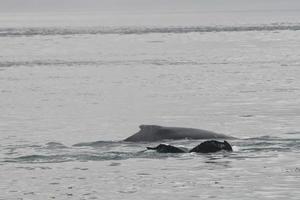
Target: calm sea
point(73, 85)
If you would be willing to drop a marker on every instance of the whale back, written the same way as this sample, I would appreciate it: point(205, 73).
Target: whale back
point(152, 133)
point(146, 133)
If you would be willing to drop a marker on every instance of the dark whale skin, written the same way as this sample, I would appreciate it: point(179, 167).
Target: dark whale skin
point(210, 146)
point(153, 133)
point(166, 148)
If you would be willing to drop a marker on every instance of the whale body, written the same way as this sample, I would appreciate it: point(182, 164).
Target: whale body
point(152, 133)
point(210, 146)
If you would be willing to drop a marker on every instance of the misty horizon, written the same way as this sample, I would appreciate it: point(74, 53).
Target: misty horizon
point(7, 6)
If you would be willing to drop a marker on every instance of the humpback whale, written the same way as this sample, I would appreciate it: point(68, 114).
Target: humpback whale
point(153, 133)
point(209, 146)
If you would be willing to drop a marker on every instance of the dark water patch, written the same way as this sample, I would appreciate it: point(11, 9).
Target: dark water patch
point(131, 62)
point(35, 146)
point(293, 133)
point(143, 174)
point(78, 168)
point(219, 163)
point(46, 63)
point(40, 159)
point(26, 168)
point(69, 31)
point(250, 155)
point(73, 157)
point(29, 193)
point(114, 164)
point(35, 167)
point(264, 137)
point(267, 140)
point(266, 149)
point(267, 145)
point(294, 143)
point(68, 63)
point(260, 143)
point(246, 115)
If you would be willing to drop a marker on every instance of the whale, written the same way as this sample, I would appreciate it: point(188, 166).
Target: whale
point(210, 146)
point(153, 133)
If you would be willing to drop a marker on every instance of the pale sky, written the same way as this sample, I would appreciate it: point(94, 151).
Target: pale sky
point(144, 5)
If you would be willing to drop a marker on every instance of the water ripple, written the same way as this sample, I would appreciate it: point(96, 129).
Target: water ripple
point(38, 31)
point(54, 152)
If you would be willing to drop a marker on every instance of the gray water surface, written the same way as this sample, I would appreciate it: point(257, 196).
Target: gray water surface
point(70, 94)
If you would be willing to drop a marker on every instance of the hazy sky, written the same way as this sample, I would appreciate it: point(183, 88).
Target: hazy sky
point(144, 5)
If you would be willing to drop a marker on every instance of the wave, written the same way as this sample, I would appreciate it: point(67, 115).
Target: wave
point(157, 62)
point(49, 31)
point(293, 133)
point(98, 144)
point(84, 157)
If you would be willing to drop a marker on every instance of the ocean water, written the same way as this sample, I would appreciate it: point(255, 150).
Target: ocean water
point(73, 85)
